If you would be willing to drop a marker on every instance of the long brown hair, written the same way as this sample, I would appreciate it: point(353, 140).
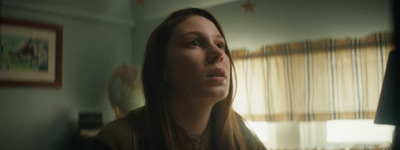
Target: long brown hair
point(227, 125)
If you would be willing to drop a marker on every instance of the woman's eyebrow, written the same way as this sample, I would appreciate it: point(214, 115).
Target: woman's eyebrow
point(219, 36)
point(195, 33)
point(191, 33)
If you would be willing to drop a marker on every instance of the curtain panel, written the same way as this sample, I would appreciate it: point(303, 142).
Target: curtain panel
point(312, 80)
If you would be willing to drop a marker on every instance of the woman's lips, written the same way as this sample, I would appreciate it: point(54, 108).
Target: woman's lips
point(217, 74)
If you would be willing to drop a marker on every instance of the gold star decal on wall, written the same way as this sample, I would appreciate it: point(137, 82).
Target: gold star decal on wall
point(248, 7)
point(139, 2)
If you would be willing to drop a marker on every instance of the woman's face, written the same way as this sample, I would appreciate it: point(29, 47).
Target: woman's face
point(197, 68)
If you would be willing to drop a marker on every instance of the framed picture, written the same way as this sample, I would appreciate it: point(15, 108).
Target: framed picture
point(30, 53)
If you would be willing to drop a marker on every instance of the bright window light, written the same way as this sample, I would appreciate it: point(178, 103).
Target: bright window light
point(358, 131)
point(260, 128)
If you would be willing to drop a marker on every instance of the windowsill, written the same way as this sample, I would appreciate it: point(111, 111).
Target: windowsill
point(342, 134)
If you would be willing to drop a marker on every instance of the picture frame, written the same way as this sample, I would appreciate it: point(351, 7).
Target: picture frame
point(30, 53)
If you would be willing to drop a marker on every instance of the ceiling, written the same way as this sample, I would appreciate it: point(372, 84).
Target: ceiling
point(115, 11)
point(152, 9)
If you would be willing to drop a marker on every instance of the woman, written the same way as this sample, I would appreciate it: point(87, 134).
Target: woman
point(187, 82)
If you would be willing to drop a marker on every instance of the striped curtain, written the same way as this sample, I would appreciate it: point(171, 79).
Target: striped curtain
point(312, 80)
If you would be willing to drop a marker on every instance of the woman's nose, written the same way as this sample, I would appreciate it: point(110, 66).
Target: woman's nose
point(215, 55)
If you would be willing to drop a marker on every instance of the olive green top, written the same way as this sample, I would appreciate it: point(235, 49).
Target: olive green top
point(127, 133)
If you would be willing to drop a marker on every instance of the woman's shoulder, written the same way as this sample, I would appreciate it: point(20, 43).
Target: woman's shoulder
point(121, 132)
point(252, 141)
point(122, 125)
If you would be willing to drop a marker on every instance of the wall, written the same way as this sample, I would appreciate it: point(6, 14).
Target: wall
point(277, 21)
point(97, 38)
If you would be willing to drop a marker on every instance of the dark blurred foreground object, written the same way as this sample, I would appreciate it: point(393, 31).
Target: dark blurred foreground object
point(388, 111)
point(88, 126)
point(90, 121)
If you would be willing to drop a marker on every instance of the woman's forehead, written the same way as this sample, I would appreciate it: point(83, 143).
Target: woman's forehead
point(194, 25)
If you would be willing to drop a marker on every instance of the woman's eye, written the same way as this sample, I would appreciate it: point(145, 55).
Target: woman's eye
point(221, 45)
point(194, 43)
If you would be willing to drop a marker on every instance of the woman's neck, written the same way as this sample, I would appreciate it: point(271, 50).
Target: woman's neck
point(192, 118)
